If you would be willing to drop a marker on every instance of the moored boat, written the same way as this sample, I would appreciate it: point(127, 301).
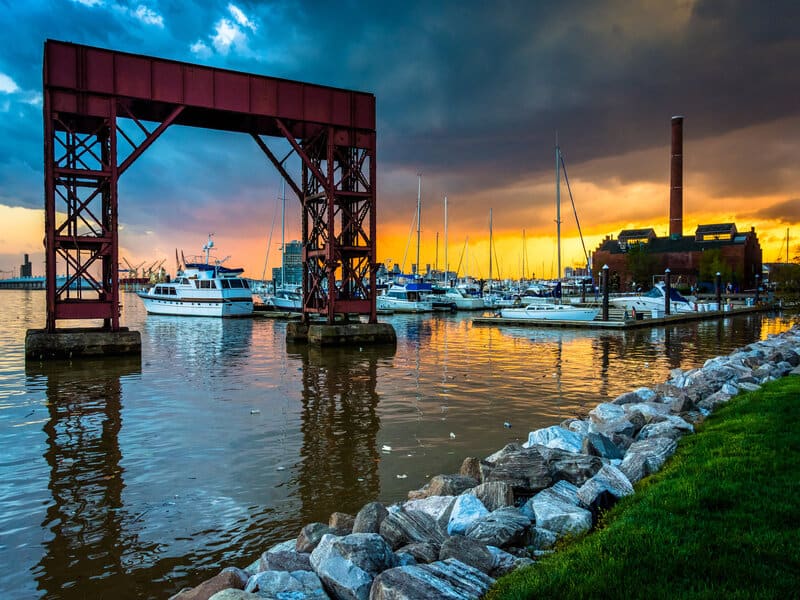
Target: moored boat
point(202, 288)
point(551, 312)
point(405, 298)
point(654, 299)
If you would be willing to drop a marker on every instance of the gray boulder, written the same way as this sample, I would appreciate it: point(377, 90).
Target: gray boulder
point(285, 560)
point(559, 512)
point(444, 580)
point(423, 552)
point(303, 585)
point(712, 401)
point(606, 411)
point(230, 577)
point(341, 522)
point(540, 538)
point(511, 448)
point(494, 494)
point(748, 386)
point(450, 485)
point(469, 551)
point(347, 565)
point(555, 437)
point(525, 470)
point(505, 562)
point(438, 507)
point(410, 526)
point(234, 594)
point(572, 467)
point(672, 427)
point(646, 457)
point(369, 518)
point(603, 490)
point(597, 444)
point(682, 404)
point(466, 510)
point(502, 528)
point(310, 535)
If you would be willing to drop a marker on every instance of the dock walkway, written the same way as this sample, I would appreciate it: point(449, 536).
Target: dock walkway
point(617, 321)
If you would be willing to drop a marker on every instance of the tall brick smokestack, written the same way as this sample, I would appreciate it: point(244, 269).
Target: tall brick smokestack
point(676, 180)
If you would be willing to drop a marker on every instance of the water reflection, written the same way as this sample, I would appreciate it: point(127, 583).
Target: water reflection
point(339, 424)
point(86, 519)
point(200, 345)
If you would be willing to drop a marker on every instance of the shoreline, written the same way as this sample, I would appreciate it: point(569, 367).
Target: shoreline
point(460, 532)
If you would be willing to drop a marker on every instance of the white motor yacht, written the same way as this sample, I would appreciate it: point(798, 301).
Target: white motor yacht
point(202, 288)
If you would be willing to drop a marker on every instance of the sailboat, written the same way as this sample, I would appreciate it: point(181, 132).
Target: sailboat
point(548, 309)
point(409, 294)
point(287, 298)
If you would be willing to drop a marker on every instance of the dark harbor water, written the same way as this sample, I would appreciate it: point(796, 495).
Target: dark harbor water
point(132, 479)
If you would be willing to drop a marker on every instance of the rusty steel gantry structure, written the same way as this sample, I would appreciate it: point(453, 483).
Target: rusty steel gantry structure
point(86, 91)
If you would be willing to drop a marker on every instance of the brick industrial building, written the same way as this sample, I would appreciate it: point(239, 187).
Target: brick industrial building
point(636, 256)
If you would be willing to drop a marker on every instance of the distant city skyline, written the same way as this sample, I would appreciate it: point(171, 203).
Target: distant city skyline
point(472, 95)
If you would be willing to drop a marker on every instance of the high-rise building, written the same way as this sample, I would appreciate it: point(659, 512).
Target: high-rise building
point(292, 265)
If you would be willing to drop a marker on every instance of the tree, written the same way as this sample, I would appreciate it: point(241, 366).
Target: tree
point(640, 263)
point(711, 263)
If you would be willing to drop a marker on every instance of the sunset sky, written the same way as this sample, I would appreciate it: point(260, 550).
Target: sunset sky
point(471, 95)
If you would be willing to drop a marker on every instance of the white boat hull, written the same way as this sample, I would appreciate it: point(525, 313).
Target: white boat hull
point(287, 304)
point(403, 306)
point(197, 308)
point(557, 312)
point(645, 307)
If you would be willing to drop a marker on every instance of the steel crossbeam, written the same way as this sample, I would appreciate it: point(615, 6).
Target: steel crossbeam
point(87, 90)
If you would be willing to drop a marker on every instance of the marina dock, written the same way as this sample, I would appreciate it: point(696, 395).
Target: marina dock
point(618, 321)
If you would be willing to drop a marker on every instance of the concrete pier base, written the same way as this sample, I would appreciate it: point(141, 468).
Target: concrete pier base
point(41, 344)
point(340, 334)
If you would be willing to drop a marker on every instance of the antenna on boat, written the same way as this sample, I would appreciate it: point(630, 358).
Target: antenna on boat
point(207, 247)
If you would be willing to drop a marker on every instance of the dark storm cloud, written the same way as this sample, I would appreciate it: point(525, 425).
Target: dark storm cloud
point(471, 92)
point(787, 211)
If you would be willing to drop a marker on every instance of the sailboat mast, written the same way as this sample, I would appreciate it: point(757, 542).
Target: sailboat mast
point(558, 206)
point(283, 232)
point(445, 241)
point(491, 243)
point(419, 209)
point(466, 248)
point(524, 252)
point(436, 256)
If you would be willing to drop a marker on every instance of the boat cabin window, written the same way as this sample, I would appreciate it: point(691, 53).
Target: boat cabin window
point(181, 280)
point(225, 284)
point(236, 283)
point(173, 291)
point(207, 284)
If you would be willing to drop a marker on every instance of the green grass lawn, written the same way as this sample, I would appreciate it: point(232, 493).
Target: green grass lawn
point(720, 520)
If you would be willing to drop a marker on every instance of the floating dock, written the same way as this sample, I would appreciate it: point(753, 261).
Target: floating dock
point(623, 324)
